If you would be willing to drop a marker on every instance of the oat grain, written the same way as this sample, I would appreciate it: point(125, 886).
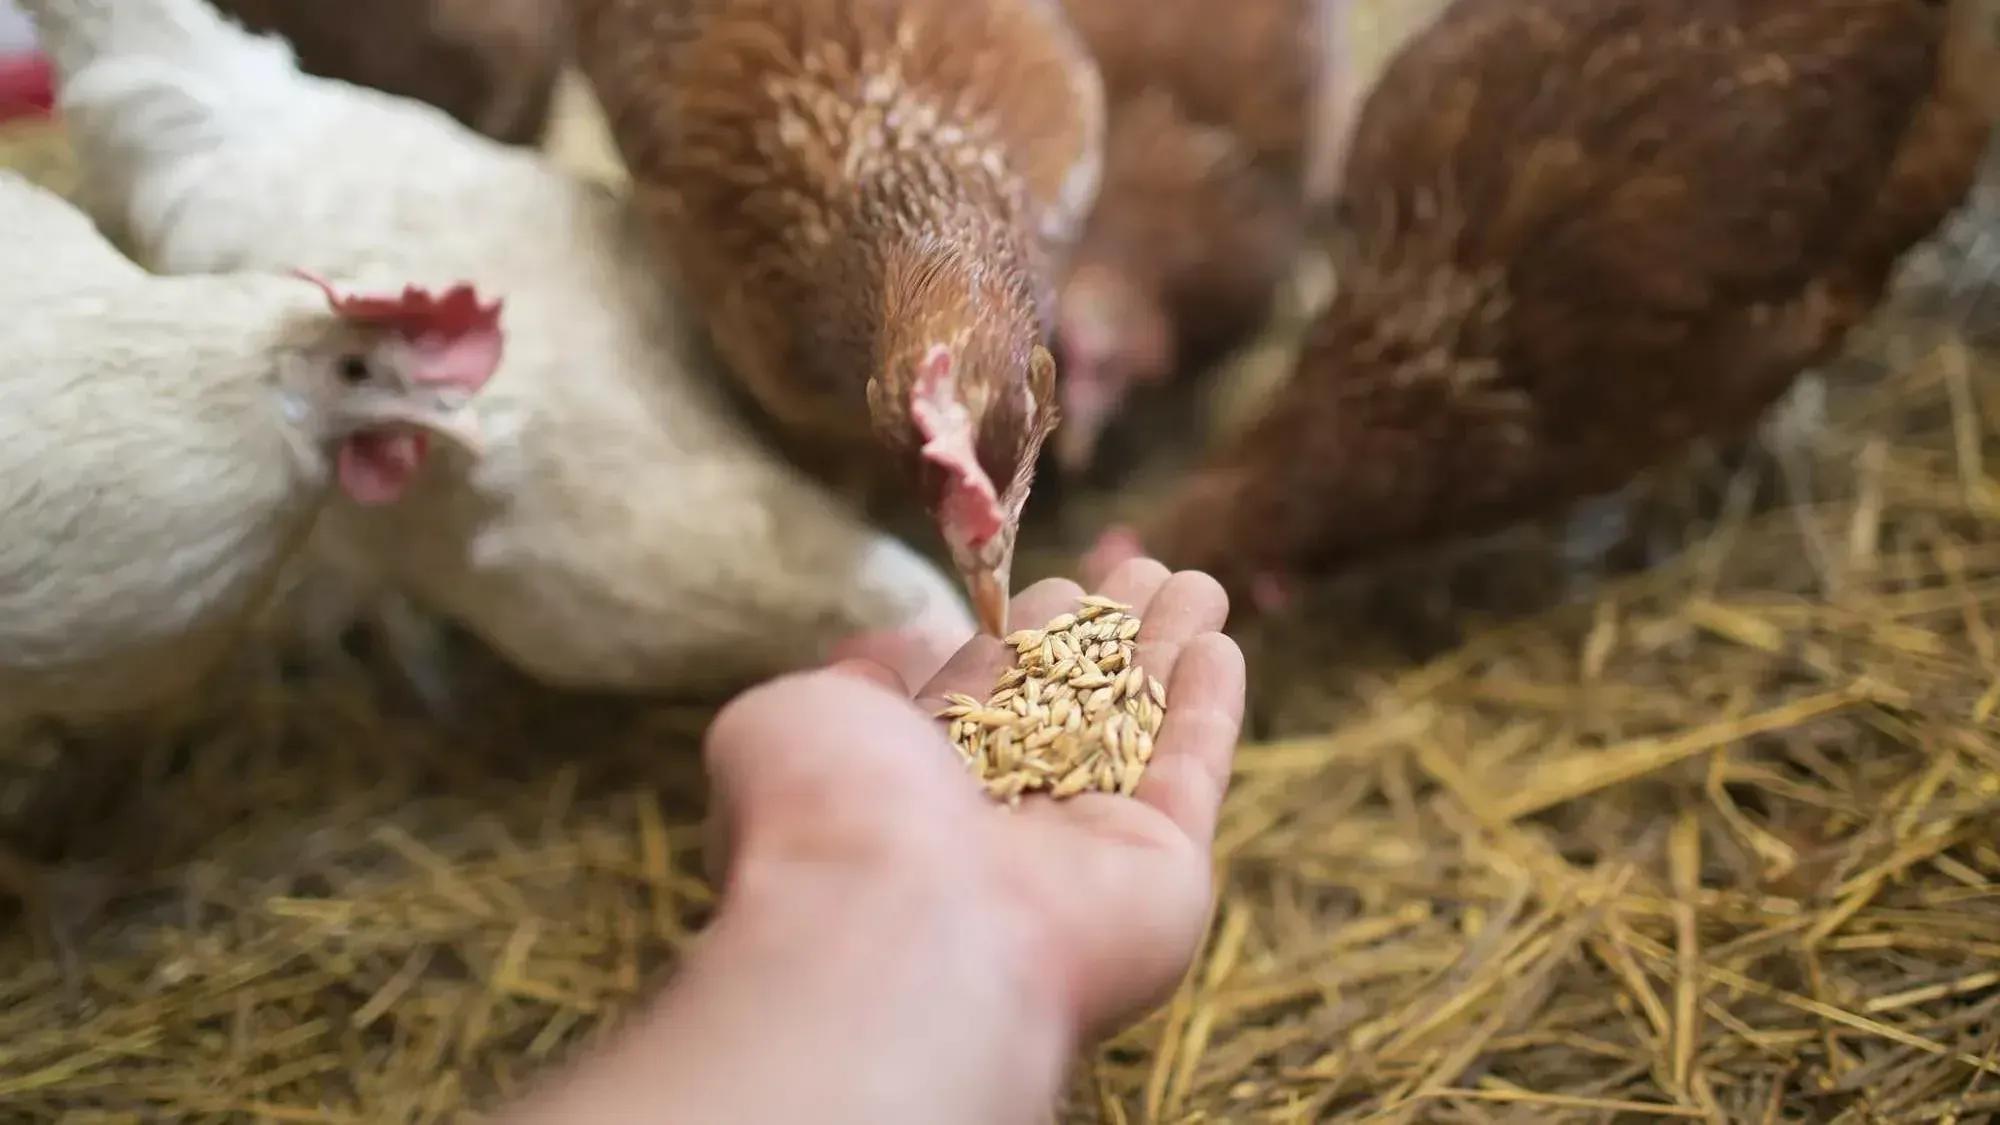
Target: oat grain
point(1076, 713)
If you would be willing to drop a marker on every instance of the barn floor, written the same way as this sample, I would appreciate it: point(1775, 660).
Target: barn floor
point(1719, 839)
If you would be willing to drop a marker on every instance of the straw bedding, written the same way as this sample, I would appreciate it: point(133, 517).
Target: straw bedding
point(1717, 839)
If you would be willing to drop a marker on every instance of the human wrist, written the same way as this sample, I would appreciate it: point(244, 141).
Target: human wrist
point(961, 1010)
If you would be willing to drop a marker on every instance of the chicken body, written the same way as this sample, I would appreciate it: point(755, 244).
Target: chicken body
point(1212, 125)
point(170, 442)
point(623, 529)
point(871, 200)
point(1584, 234)
point(492, 64)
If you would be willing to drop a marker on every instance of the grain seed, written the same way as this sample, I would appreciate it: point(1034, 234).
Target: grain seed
point(1075, 713)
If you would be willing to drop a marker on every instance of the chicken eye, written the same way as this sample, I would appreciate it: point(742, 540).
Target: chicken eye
point(353, 369)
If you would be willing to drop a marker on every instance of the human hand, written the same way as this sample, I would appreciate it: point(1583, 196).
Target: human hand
point(895, 949)
point(833, 779)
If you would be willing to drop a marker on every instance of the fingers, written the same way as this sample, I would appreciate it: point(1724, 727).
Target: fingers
point(809, 763)
point(876, 672)
point(1044, 600)
point(913, 655)
point(1135, 583)
point(803, 730)
point(1183, 607)
point(1191, 761)
point(974, 668)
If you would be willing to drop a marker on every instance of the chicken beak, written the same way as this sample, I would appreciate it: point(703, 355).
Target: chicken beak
point(988, 586)
point(453, 423)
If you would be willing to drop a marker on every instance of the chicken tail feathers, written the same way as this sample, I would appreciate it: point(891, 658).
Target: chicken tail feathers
point(141, 82)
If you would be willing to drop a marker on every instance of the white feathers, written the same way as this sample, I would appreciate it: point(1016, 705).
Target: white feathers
point(149, 488)
point(623, 529)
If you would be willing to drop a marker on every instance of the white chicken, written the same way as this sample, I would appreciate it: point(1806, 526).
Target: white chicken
point(623, 529)
point(171, 441)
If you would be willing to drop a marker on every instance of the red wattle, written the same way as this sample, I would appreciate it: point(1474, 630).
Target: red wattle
point(377, 468)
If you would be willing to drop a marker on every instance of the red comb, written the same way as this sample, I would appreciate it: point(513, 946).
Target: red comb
point(416, 313)
point(27, 86)
point(971, 506)
point(463, 332)
point(1272, 594)
point(1117, 546)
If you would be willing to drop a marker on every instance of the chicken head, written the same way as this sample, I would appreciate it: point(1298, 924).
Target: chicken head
point(1114, 336)
point(389, 373)
point(978, 517)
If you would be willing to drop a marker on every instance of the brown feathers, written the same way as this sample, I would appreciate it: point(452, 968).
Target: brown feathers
point(839, 177)
point(1201, 209)
point(1584, 233)
point(849, 186)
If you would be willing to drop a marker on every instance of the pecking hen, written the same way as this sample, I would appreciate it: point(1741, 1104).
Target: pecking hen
point(1581, 234)
point(871, 201)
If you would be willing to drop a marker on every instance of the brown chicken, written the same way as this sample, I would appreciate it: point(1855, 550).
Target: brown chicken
point(870, 200)
point(1583, 234)
point(492, 64)
point(1201, 210)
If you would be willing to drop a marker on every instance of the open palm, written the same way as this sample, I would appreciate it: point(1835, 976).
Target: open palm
point(838, 768)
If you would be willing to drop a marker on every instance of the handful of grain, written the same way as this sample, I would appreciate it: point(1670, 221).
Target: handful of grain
point(1074, 714)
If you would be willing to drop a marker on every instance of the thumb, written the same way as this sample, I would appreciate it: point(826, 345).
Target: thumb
point(871, 670)
point(914, 653)
point(819, 755)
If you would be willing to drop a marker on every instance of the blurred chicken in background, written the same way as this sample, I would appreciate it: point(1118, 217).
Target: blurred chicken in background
point(492, 64)
point(1211, 113)
point(25, 77)
point(1579, 236)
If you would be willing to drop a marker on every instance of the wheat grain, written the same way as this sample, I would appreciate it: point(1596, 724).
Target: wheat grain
point(1075, 714)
